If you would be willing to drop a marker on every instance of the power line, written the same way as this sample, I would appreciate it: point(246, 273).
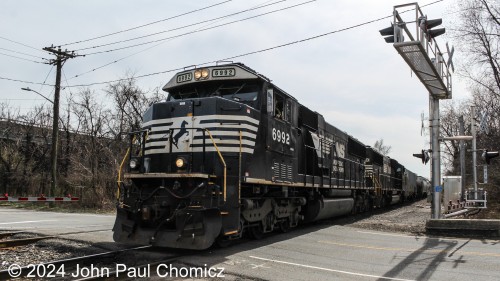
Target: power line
point(200, 30)
point(19, 99)
point(133, 54)
point(19, 58)
point(181, 27)
point(23, 81)
point(147, 24)
point(29, 82)
point(247, 54)
point(19, 43)
point(46, 77)
point(237, 56)
point(21, 53)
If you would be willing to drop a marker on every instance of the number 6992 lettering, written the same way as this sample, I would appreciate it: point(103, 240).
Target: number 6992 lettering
point(280, 136)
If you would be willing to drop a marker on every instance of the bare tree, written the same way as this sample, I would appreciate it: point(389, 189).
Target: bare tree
point(93, 160)
point(130, 103)
point(381, 147)
point(449, 116)
point(478, 39)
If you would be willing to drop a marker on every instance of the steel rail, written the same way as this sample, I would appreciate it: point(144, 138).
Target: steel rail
point(21, 242)
point(4, 274)
point(8, 234)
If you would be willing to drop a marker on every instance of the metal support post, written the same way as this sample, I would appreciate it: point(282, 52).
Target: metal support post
point(462, 157)
point(474, 154)
point(436, 157)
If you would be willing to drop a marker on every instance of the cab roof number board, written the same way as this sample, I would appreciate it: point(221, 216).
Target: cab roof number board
point(223, 72)
point(184, 77)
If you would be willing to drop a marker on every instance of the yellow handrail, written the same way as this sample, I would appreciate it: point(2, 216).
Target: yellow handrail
point(378, 186)
point(119, 180)
point(222, 160)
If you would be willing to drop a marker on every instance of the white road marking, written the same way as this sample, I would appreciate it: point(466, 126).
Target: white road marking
point(330, 270)
point(254, 266)
point(388, 234)
point(17, 222)
point(420, 236)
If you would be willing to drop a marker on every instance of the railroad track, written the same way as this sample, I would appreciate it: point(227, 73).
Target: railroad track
point(21, 242)
point(62, 269)
point(8, 234)
point(143, 261)
point(27, 241)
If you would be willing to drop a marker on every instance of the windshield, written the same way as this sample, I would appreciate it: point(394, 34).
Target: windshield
point(238, 91)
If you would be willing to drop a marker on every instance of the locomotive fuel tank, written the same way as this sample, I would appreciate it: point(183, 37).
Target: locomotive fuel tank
point(326, 208)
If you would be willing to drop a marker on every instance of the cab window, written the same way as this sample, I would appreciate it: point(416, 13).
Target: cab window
point(279, 107)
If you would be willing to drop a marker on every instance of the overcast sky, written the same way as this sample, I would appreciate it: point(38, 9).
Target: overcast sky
point(357, 81)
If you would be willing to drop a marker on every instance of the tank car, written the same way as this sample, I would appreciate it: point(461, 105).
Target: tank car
point(230, 153)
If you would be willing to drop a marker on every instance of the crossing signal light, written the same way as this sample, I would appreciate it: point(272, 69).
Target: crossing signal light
point(424, 156)
point(394, 33)
point(488, 155)
point(427, 25)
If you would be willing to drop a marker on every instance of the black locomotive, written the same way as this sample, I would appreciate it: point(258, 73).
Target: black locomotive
point(230, 153)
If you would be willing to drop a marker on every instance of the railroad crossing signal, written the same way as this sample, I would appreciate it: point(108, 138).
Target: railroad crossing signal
point(483, 125)
point(450, 56)
point(427, 25)
point(488, 155)
point(424, 156)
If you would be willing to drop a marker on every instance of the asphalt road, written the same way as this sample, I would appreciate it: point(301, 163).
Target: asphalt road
point(334, 252)
point(98, 227)
point(322, 251)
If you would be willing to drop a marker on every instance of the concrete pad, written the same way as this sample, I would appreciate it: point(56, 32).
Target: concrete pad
point(464, 227)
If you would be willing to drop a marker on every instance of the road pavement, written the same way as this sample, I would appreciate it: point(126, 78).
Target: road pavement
point(320, 251)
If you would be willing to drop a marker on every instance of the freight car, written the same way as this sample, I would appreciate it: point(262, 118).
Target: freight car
point(229, 153)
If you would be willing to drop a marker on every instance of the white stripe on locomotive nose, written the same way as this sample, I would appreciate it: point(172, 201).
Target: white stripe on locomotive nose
point(216, 123)
point(228, 117)
point(208, 143)
point(216, 120)
point(227, 126)
point(207, 149)
point(210, 125)
point(215, 134)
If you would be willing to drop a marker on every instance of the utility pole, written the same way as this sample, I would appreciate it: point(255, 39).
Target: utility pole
point(61, 57)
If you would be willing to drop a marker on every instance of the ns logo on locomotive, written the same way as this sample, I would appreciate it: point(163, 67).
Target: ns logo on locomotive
point(230, 154)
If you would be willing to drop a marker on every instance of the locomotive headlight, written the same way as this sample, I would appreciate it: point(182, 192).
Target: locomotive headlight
point(201, 74)
point(180, 162)
point(197, 74)
point(133, 164)
point(204, 73)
